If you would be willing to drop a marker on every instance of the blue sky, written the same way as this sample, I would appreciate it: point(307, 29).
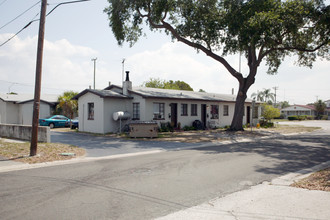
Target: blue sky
point(76, 33)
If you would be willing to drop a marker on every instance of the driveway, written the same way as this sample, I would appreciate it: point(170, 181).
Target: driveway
point(100, 146)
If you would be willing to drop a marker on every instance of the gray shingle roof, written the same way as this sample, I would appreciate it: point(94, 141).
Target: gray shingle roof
point(28, 97)
point(181, 94)
point(162, 94)
point(102, 93)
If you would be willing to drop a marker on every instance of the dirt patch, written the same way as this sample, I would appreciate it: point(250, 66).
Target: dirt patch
point(47, 152)
point(316, 181)
point(219, 135)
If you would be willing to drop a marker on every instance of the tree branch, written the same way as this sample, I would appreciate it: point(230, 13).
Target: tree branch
point(293, 49)
point(208, 52)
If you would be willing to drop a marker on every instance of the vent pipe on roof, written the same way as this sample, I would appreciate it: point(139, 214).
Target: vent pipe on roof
point(232, 91)
point(127, 76)
point(127, 85)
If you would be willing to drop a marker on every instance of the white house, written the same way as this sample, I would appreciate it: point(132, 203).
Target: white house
point(18, 108)
point(299, 110)
point(96, 107)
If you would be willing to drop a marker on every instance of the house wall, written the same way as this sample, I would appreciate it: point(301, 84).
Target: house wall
point(96, 125)
point(12, 113)
point(111, 106)
point(143, 110)
point(297, 110)
point(26, 112)
point(222, 121)
point(3, 112)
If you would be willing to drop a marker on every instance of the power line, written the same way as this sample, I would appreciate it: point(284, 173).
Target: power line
point(63, 3)
point(19, 15)
point(3, 2)
point(20, 30)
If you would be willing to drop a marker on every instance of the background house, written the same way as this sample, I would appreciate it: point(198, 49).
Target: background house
point(178, 107)
point(18, 108)
point(299, 110)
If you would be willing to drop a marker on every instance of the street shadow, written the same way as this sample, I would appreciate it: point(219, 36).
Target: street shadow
point(288, 154)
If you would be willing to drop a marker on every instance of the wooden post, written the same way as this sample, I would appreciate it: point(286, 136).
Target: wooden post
point(37, 89)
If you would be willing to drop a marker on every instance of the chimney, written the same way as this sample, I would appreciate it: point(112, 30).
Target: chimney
point(127, 85)
point(232, 91)
point(109, 83)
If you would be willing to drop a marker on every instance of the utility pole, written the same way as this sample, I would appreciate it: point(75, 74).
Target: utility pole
point(122, 75)
point(94, 68)
point(37, 89)
point(275, 88)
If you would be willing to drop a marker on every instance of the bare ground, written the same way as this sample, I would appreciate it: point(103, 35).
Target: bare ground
point(316, 181)
point(223, 135)
point(47, 152)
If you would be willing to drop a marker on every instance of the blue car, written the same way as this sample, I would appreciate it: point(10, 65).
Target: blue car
point(54, 121)
point(74, 123)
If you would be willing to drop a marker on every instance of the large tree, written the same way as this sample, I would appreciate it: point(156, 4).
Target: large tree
point(163, 84)
point(260, 29)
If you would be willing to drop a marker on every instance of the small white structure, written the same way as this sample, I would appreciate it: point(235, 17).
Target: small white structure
point(97, 107)
point(18, 108)
point(299, 110)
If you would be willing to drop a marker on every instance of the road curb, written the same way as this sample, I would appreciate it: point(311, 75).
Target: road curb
point(292, 177)
point(72, 161)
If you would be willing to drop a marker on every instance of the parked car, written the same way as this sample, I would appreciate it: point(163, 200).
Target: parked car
point(75, 123)
point(54, 121)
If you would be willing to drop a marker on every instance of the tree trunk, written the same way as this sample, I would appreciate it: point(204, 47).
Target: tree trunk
point(244, 85)
point(237, 122)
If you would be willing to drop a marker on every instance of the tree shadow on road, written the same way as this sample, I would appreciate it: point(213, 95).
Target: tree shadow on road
point(288, 154)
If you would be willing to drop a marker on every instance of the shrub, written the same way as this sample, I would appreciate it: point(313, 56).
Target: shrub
point(301, 117)
point(310, 117)
point(324, 117)
point(266, 124)
point(189, 128)
point(166, 127)
point(269, 112)
point(292, 118)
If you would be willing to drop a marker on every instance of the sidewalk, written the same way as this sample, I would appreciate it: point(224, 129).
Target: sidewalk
point(269, 200)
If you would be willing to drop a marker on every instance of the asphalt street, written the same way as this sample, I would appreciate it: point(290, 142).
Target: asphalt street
point(154, 185)
point(99, 146)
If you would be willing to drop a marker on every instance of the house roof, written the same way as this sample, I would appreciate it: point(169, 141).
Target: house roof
point(179, 94)
point(311, 107)
point(23, 98)
point(102, 93)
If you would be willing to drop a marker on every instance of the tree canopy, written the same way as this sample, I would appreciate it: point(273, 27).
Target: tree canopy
point(163, 84)
point(66, 105)
point(320, 107)
point(264, 96)
point(259, 29)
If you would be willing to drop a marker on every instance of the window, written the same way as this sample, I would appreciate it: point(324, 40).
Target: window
point(90, 111)
point(193, 109)
point(225, 110)
point(184, 109)
point(255, 112)
point(214, 112)
point(136, 111)
point(159, 110)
